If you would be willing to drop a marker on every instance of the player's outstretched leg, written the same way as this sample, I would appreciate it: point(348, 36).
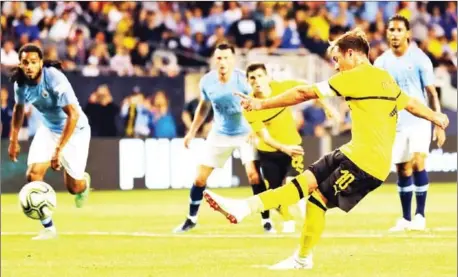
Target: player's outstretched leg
point(79, 187)
point(405, 189)
point(253, 170)
point(236, 210)
point(421, 181)
point(36, 172)
point(311, 233)
point(195, 198)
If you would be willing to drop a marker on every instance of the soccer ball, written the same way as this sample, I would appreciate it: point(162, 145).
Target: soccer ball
point(38, 200)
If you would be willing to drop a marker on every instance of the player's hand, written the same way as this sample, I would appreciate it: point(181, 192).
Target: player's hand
point(187, 139)
point(55, 160)
point(252, 139)
point(439, 135)
point(13, 150)
point(249, 103)
point(293, 150)
point(441, 120)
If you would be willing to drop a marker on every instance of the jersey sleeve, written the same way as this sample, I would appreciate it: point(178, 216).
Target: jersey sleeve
point(402, 100)
point(337, 85)
point(19, 94)
point(62, 88)
point(203, 94)
point(426, 71)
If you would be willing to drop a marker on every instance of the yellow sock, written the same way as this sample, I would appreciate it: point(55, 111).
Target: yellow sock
point(285, 195)
point(285, 214)
point(313, 225)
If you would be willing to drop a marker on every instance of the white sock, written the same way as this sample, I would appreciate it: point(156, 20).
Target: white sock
point(193, 218)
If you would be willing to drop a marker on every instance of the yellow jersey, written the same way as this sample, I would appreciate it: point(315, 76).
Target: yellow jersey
point(374, 99)
point(279, 122)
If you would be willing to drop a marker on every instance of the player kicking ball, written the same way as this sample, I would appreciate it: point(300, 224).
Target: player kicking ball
point(230, 131)
point(345, 176)
point(63, 138)
point(413, 72)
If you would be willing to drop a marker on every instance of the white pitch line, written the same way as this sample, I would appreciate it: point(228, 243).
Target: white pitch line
point(213, 235)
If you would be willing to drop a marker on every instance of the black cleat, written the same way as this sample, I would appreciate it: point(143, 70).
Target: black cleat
point(186, 226)
point(268, 228)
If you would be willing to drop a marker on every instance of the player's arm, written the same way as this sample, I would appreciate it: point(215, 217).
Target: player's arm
point(417, 108)
point(290, 97)
point(73, 115)
point(66, 99)
point(16, 122)
point(290, 150)
point(201, 114)
point(427, 79)
point(298, 94)
point(202, 109)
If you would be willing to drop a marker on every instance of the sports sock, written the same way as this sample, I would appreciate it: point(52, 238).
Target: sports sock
point(405, 189)
point(421, 189)
point(286, 195)
point(313, 225)
point(257, 189)
point(285, 214)
point(47, 223)
point(196, 196)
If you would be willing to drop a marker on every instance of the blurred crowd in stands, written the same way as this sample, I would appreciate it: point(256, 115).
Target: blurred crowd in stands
point(153, 38)
point(169, 38)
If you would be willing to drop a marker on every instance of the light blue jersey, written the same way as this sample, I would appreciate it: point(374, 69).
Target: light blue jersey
point(49, 97)
point(413, 72)
point(228, 117)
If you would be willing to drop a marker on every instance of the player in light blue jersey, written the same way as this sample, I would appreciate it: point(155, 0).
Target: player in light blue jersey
point(230, 131)
point(63, 138)
point(413, 71)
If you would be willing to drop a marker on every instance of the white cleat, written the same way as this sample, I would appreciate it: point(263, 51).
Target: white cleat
point(401, 225)
point(234, 210)
point(294, 262)
point(289, 227)
point(45, 234)
point(418, 223)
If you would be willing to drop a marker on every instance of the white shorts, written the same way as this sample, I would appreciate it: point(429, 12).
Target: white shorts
point(74, 154)
point(218, 149)
point(408, 142)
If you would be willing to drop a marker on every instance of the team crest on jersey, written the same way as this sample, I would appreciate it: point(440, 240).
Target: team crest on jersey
point(45, 94)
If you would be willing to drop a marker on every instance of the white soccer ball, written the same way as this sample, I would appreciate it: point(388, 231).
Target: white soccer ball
point(38, 200)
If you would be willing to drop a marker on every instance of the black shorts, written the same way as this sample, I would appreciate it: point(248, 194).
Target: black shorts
point(341, 181)
point(276, 166)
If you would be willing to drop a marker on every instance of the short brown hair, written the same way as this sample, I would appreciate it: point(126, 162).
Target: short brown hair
point(355, 39)
point(255, 66)
point(400, 18)
point(226, 46)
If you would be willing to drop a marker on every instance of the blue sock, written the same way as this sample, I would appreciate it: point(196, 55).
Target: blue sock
point(421, 189)
point(405, 189)
point(196, 196)
point(47, 223)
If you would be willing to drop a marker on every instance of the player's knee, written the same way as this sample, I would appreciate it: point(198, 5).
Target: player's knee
point(34, 175)
point(418, 163)
point(75, 187)
point(200, 181)
point(405, 170)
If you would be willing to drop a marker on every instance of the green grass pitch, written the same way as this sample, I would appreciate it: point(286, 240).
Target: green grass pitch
point(128, 234)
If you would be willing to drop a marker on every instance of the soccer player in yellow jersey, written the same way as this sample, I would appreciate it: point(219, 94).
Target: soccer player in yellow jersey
point(345, 176)
point(277, 139)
